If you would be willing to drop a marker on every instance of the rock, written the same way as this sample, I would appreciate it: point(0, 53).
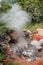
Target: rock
point(11, 36)
point(36, 43)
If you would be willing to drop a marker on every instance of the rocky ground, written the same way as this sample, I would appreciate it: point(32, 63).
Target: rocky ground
point(23, 54)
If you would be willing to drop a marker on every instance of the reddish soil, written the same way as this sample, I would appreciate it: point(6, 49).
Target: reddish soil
point(17, 59)
point(39, 61)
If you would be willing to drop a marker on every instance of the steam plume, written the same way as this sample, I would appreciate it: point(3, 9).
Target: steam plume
point(16, 17)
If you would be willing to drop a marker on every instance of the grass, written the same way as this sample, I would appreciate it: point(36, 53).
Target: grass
point(34, 26)
point(1, 55)
point(3, 29)
point(10, 63)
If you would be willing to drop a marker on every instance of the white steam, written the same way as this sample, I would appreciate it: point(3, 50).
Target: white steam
point(16, 17)
point(0, 0)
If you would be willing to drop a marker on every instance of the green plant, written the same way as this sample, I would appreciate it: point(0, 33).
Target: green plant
point(34, 7)
point(10, 63)
point(4, 6)
point(1, 55)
